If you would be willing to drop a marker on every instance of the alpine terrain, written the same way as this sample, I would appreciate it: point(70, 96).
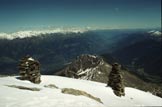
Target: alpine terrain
point(55, 91)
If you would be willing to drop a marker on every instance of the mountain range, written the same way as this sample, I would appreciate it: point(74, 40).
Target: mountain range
point(31, 33)
point(142, 53)
point(138, 50)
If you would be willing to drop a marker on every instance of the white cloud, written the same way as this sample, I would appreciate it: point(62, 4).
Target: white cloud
point(30, 33)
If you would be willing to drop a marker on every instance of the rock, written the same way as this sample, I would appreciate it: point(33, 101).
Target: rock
point(24, 88)
point(29, 69)
point(79, 92)
point(51, 86)
point(116, 80)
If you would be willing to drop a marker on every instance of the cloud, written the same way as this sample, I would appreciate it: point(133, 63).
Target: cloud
point(31, 33)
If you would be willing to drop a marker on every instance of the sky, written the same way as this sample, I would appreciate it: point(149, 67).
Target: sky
point(34, 14)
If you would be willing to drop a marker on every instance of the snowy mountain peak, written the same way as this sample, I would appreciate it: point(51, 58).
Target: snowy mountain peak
point(155, 33)
point(31, 33)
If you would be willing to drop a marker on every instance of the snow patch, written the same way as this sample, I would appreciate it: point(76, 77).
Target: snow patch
point(30, 59)
point(99, 72)
point(155, 33)
point(93, 56)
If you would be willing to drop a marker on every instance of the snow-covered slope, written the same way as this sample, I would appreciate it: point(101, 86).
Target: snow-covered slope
point(49, 97)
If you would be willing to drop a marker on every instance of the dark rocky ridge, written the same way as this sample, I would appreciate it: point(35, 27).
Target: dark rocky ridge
point(96, 69)
point(89, 67)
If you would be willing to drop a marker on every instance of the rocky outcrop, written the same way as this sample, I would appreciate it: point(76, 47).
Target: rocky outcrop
point(78, 93)
point(51, 86)
point(24, 88)
point(88, 67)
point(116, 80)
point(29, 69)
point(157, 92)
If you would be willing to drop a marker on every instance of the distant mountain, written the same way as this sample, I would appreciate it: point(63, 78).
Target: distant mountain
point(53, 48)
point(155, 33)
point(142, 53)
point(56, 48)
point(35, 33)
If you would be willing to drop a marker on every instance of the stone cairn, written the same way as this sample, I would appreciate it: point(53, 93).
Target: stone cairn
point(29, 69)
point(116, 80)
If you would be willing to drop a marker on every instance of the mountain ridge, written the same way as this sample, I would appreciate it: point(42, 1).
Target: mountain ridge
point(35, 33)
point(55, 51)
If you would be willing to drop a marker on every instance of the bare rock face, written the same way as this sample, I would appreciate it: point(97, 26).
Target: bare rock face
point(29, 69)
point(78, 93)
point(116, 80)
point(87, 67)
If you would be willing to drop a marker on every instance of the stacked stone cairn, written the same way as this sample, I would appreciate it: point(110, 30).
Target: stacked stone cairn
point(116, 80)
point(29, 69)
